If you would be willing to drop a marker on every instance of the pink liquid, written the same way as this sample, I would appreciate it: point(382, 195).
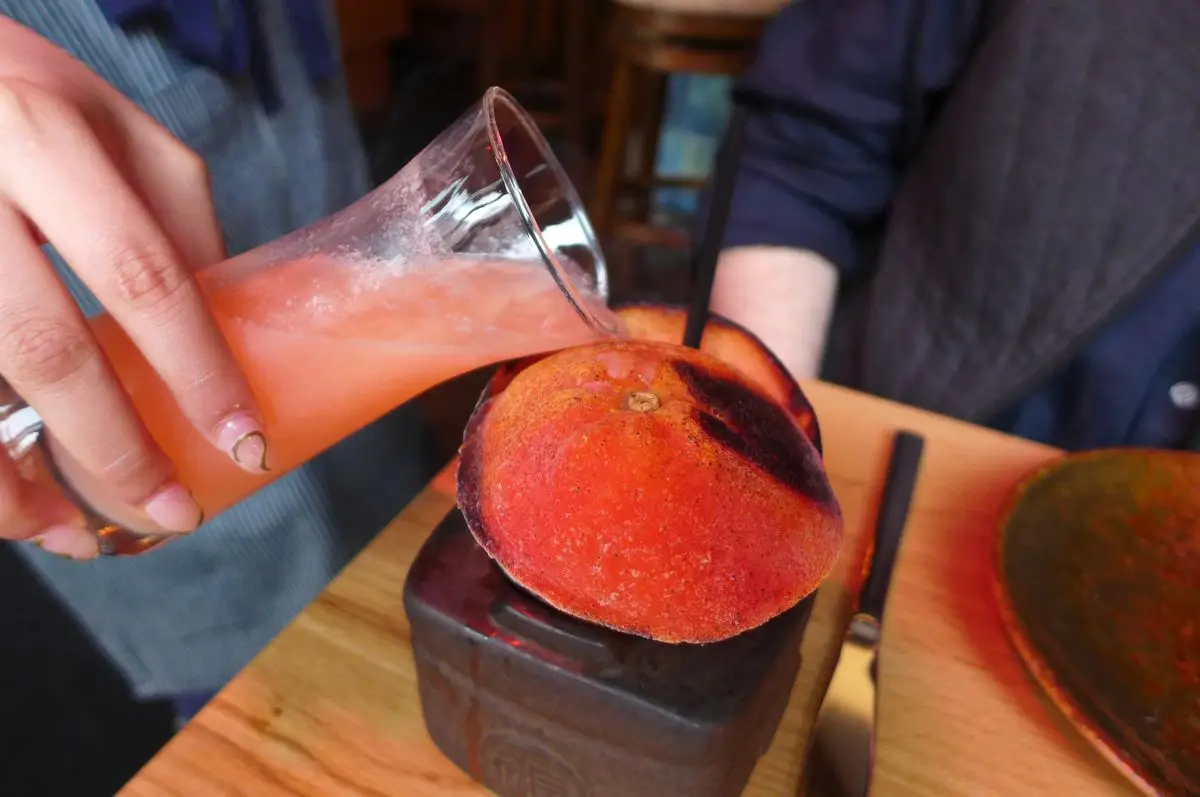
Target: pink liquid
point(330, 346)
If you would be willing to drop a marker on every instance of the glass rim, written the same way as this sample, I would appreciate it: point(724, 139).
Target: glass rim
point(491, 98)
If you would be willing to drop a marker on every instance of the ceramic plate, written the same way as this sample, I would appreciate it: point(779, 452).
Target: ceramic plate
point(1098, 574)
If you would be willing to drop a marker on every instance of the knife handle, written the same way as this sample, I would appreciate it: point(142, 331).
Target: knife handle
point(898, 487)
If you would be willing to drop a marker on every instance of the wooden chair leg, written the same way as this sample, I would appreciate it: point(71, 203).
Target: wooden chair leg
point(492, 40)
point(574, 56)
point(611, 169)
point(544, 30)
point(654, 87)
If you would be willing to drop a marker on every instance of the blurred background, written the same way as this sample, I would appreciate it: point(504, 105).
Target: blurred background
point(633, 95)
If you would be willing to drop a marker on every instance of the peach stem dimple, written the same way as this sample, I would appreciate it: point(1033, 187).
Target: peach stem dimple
point(642, 401)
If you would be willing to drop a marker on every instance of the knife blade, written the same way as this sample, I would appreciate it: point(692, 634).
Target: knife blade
point(843, 740)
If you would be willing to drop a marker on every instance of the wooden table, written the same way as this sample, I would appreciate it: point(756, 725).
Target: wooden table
point(329, 709)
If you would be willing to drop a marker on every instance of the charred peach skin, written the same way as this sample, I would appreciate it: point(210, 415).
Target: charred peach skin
point(649, 488)
point(724, 339)
point(730, 343)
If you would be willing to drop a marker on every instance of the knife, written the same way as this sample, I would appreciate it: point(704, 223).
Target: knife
point(843, 740)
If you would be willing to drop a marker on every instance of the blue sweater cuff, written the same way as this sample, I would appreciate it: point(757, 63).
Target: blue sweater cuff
point(766, 213)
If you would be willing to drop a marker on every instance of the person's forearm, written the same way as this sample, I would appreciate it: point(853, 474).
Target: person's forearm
point(785, 296)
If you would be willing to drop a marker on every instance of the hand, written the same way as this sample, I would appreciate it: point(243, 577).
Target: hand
point(128, 206)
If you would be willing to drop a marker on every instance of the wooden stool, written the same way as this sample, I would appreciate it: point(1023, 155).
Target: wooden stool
point(651, 39)
point(536, 49)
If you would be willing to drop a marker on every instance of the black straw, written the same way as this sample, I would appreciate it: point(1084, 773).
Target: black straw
point(898, 488)
point(1194, 440)
point(704, 259)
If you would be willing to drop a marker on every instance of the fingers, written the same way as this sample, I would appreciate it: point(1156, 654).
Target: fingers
point(169, 178)
point(49, 357)
point(116, 245)
point(33, 511)
point(37, 513)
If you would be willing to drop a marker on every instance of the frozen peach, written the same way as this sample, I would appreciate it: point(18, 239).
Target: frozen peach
point(649, 488)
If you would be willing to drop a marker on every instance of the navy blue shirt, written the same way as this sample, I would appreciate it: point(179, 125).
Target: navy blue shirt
point(227, 36)
point(820, 165)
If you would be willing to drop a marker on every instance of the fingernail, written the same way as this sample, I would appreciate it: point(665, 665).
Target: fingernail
point(242, 437)
point(69, 542)
point(174, 510)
